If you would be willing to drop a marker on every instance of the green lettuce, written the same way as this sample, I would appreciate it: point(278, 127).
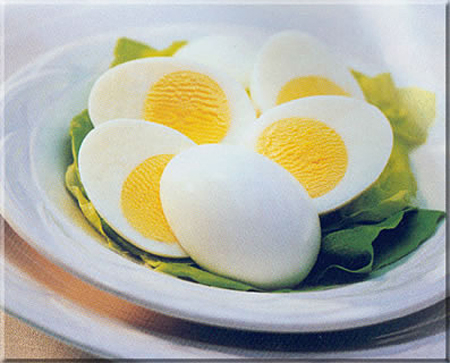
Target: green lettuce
point(410, 110)
point(79, 128)
point(393, 191)
point(128, 49)
point(356, 251)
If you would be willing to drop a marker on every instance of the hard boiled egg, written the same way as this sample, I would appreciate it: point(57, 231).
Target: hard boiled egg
point(120, 164)
point(204, 104)
point(240, 215)
point(335, 146)
point(230, 53)
point(293, 65)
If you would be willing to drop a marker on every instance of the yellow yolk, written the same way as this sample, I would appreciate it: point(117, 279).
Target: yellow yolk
point(140, 200)
point(191, 103)
point(308, 86)
point(310, 150)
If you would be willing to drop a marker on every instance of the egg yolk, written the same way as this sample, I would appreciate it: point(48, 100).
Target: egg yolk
point(191, 103)
point(140, 200)
point(308, 86)
point(311, 151)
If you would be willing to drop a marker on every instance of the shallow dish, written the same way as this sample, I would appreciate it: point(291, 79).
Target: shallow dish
point(41, 100)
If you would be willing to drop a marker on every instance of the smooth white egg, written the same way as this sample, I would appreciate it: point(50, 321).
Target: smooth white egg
point(203, 103)
point(111, 160)
point(292, 64)
point(230, 53)
point(335, 146)
point(240, 215)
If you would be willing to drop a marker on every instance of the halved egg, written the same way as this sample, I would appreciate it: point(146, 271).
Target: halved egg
point(202, 103)
point(335, 146)
point(120, 164)
point(230, 53)
point(241, 215)
point(293, 65)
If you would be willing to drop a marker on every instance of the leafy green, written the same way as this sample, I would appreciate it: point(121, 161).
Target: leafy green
point(355, 236)
point(394, 190)
point(410, 110)
point(364, 248)
point(417, 227)
point(194, 273)
point(352, 247)
point(79, 128)
point(128, 49)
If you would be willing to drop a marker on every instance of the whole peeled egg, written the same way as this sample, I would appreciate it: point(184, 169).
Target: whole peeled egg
point(238, 214)
point(292, 65)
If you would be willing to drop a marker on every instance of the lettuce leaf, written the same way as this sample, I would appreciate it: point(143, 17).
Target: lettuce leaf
point(393, 191)
point(194, 273)
point(410, 110)
point(417, 226)
point(128, 49)
point(364, 248)
point(79, 128)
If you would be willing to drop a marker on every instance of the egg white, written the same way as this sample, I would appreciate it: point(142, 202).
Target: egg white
point(107, 156)
point(365, 131)
point(291, 54)
point(240, 215)
point(232, 54)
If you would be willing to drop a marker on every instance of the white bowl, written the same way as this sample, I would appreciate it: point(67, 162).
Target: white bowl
point(39, 104)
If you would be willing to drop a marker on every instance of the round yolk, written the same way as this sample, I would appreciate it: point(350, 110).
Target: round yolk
point(311, 151)
point(191, 103)
point(140, 200)
point(308, 86)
